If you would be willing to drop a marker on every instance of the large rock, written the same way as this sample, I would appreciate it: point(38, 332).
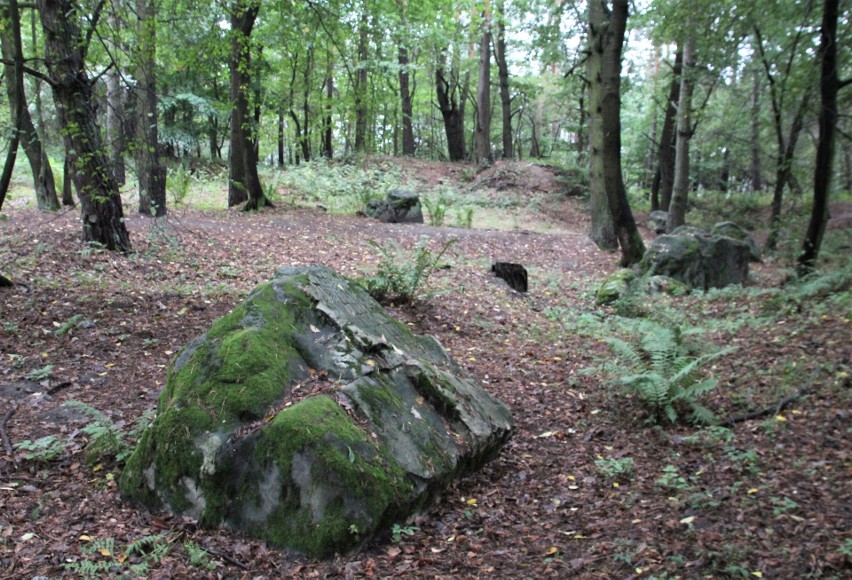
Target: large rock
point(310, 418)
point(657, 221)
point(399, 207)
point(698, 259)
point(732, 230)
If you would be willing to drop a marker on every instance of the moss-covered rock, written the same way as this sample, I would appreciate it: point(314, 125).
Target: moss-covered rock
point(392, 421)
point(697, 259)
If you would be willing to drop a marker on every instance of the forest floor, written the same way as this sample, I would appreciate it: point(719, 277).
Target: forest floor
point(586, 488)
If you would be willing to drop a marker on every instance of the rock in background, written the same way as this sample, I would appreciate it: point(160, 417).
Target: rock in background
point(698, 259)
point(310, 418)
point(399, 207)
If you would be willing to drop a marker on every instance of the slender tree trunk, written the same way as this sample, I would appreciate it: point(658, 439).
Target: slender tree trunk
point(830, 85)
point(448, 102)
point(45, 186)
point(115, 130)
point(606, 37)
point(756, 170)
point(17, 105)
point(784, 170)
point(328, 133)
point(661, 188)
point(680, 194)
point(244, 185)
point(361, 86)
point(650, 159)
point(503, 73)
point(280, 128)
point(483, 92)
point(582, 122)
point(103, 216)
point(151, 172)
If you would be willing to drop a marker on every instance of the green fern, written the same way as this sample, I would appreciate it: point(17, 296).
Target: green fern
point(400, 276)
point(663, 374)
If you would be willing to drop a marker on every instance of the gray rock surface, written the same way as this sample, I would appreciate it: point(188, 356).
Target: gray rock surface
point(399, 207)
point(698, 259)
point(311, 418)
point(732, 230)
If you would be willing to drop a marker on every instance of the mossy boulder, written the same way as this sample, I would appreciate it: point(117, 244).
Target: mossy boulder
point(310, 418)
point(732, 230)
point(400, 207)
point(698, 259)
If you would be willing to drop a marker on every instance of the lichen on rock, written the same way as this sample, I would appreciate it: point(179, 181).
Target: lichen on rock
point(236, 442)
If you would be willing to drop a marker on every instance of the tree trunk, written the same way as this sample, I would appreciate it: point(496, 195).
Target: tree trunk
point(448, 102)
point(151, 172)
point(17, 105)
point(115, 129)
point(404, 84)
point(784, 170)
point(328, 132)
point(680, 193)
point(756, 171)
point(361, 87)
point(606, 37)
point(602, 226)
point(661, 189)
point(483, 92)
point(829, 87)
point(280, 135)
point(45, 186)
point(67, 181)
point(103, 217)
point(503, 73)
point(244, 185)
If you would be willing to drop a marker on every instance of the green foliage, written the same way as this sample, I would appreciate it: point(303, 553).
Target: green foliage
point(437, 209)
point(40, 374)
point(100, 558)
point(464, 217)
point(339, 187)
point(612, 468)
point(68, 324)
point(42, 449)
point(397, 532)
point(178, 183)
point(660, 371)
point(198, 556)
point(401, 276)
point(672, 479)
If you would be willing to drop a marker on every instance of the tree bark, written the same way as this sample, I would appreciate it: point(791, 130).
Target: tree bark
point(602, 228)
point(448, 92)
point(756, 170)
point(483, 92)
point(102, 213)
point(67, 182)
point(151, 172)
point(404, 84)
point(661, 189)
point(45, 186)
point(361, 86)
point(606, 37)
point(328, 130)
point(115, 130)
point(829, 87)
point(503, 74)
point(244, 183)
point(680, 193)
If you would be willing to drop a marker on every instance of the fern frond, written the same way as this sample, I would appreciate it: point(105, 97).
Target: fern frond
point(625, 351)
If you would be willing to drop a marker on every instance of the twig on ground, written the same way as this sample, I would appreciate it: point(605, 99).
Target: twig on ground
point(771, 410)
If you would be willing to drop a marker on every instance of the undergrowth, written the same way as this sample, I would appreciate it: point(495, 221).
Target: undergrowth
point(400, 275)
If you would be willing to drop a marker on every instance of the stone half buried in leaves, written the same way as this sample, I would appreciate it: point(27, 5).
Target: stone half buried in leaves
point(310, 418)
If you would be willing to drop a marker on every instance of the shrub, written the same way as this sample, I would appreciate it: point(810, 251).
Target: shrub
point(659, 369)
point(400, 276)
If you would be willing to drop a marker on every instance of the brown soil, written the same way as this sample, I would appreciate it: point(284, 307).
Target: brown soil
point(775, 500)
